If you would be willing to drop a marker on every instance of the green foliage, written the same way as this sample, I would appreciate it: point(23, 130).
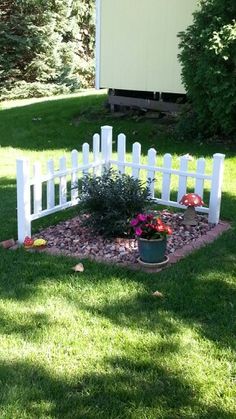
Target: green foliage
point(111, 200)
point(187, 127)
point(46, 46)
point(208, 58)
point(22, 90)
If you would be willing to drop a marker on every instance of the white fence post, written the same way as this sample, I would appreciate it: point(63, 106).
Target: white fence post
point(85, 152)
point(199, 185)
point(216, 185)
point(63, 182)
point(23, 199)
point(50, 185)
point(182, 178)
point(37, 188)
point(166, 179)
point(96, 153)
point(74, 176)
point(136, 156)
point(106, 140)
point(151, 173)
point(121, 150)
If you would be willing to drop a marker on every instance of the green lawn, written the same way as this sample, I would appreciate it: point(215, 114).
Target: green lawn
point(97, 344)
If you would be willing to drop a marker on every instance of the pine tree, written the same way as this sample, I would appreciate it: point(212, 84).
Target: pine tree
point(46, 46)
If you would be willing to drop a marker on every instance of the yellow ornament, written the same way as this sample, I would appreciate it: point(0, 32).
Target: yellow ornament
point(39, 242)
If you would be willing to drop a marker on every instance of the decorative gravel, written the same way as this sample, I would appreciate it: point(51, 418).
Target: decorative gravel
point(72, 239)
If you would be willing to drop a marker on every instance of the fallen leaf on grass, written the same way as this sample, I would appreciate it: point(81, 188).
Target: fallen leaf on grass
point(158, 294)
point(78, 268)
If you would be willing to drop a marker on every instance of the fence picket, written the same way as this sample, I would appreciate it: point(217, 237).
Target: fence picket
point(62, 183)
point(166, 179)
point(136, 155)
point(106, 134)
point(96, 153)
point(37, 187)
point(50, 185)
point(151, 173)
point(216, 187)
point(121, 150)
point(199, 185)
point(182, 178)
point(23, 199)
point(85, 151)
point(74, 176)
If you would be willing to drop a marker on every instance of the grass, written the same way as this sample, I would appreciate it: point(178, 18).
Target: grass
point(97, 344)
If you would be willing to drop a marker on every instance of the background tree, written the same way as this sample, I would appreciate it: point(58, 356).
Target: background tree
point(46, 46)
point(208, 58)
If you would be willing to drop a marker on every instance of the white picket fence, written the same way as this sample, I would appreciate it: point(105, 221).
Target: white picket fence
point(30, 188)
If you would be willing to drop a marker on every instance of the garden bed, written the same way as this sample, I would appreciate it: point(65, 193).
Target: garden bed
point(72, 239)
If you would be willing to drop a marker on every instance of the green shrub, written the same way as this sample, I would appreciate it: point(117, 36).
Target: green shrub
point(111, 200)
point(208, 58)
point(187, 127)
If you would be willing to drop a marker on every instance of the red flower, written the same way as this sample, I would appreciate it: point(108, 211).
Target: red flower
point(149, 226)
point(169, 230)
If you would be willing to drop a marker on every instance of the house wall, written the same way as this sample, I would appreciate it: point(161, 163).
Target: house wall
point(138, 45)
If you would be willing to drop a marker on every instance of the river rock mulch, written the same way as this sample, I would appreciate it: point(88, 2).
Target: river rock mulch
point(72, 239)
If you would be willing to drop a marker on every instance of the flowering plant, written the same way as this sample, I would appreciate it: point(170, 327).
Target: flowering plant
point(150, 227)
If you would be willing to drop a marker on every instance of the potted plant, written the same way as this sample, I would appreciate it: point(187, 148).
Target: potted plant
point(151, 233)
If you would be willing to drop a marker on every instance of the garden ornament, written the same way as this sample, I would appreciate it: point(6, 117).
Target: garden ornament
point(191, 200)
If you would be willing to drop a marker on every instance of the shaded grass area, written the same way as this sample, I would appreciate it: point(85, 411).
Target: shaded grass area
point(97, 344)
point(66, 123)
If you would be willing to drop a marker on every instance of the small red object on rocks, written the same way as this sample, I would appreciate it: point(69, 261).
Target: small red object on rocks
point(28, 242)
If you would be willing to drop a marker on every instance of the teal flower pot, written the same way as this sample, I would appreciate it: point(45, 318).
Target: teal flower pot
point(152, 251)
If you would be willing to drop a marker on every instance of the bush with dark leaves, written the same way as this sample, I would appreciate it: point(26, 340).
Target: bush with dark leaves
point(111, 200)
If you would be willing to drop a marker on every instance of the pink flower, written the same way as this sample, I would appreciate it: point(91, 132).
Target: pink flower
point(134, 222)
point(142, 217)
point(138, 231)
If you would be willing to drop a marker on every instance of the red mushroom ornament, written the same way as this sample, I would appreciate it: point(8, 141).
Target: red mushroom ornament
point(191, 200)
